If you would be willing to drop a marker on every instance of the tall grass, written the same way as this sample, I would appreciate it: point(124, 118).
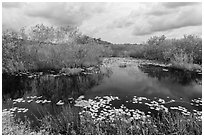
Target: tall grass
point(69, 122)
point(10, 126)
point(65, 122)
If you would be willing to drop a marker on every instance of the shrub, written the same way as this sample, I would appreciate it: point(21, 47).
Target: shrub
point(185, 51)
point(44, 47)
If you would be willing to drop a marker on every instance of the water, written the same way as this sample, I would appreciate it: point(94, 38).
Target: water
point(129, 88)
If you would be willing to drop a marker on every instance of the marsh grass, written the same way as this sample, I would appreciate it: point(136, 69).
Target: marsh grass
point(167, 124)
point(11, 126)
point(65, 122)
point(69, 122)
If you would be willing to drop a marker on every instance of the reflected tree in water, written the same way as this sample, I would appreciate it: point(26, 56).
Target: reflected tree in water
point(174, 75)
point(51, 87)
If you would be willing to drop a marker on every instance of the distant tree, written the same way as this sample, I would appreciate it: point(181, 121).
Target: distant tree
point(156, 40)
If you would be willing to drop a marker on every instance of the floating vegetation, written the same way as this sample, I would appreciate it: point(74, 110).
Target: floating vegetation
point(39, 101)
point(16, 109)
point(197, 101)
point(198, 114)
point(29, 99)
point(103, 108)
point(18, 100)
point(39, 97)
point(165, 69)
point(161, 100)
point(100, 108)
point(60, 103)
point(25, 110)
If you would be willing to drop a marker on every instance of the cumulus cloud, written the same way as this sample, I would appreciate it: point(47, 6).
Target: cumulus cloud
point(64, 13)
point(160, 11)
point(114, 22)
point(156, 17)
point(189, 16)
point(60, 14)
point(179, 4)
point(122, 22)
point(11, 5)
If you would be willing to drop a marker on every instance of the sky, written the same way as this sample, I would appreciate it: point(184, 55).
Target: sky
point(114, 22)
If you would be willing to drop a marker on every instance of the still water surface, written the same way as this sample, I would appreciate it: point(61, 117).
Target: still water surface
point(30, 94)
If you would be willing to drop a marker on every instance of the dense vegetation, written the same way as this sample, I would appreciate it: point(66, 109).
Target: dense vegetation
point(184, 53)
point(69, 122)
point(42, 47)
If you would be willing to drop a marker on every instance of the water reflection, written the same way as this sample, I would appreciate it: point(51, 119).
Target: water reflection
point(51, 87)
point(148, 82)
point(33, 96)
point(52, 91)
point(171, 74)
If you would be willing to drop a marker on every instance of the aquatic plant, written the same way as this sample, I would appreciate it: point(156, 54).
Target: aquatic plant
point(98, 117)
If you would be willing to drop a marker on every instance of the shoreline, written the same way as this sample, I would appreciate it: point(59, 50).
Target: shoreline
point(121, 61)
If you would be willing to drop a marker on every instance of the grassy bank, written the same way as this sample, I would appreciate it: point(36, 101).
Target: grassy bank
point(68, 121)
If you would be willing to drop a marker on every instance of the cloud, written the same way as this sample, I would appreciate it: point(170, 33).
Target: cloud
point(13, 18)
point(155, 17)
point(179, 4)
point(191, 16)
point(11, 4)
point(121, 23)
point(64, 13)
point(159, 12)
point(114, 22)
point(17, 15)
